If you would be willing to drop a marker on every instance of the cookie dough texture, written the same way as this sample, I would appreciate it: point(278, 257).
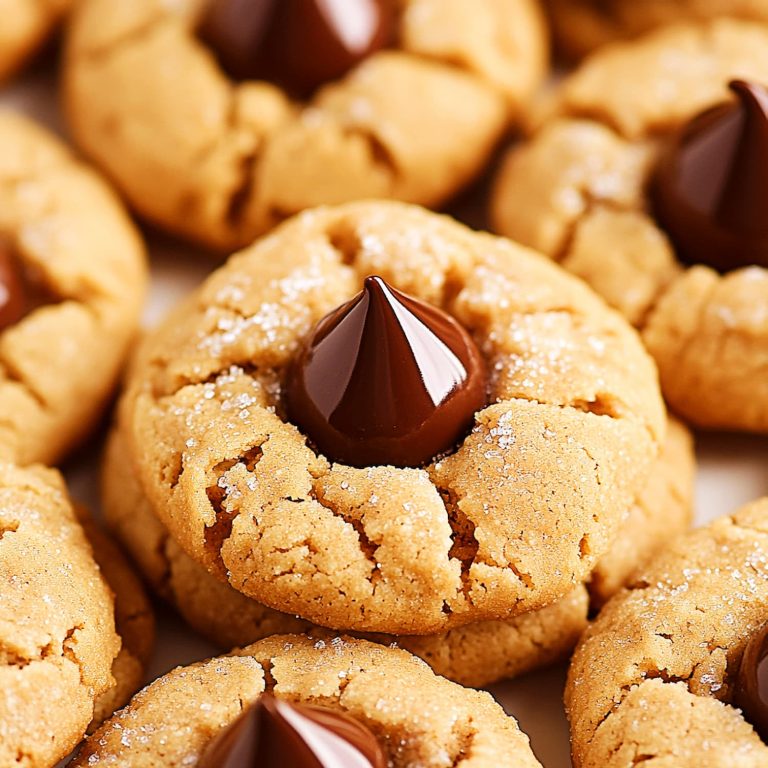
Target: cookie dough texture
point(581, 26)
point(475, 655)
point(651, 679)
point(26, 26)
point(222, 162)
point(577, 191)
point(58, 641)
point(417, 717)
point(134, 620)
point(511, 521)
point(58, 365)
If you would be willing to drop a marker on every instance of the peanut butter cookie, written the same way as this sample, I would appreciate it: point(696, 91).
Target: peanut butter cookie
point(625, 186)
point(209, 126)
point(502, 509)
point(403, 714)
point(58, 643)
point(72, 277)
point(668, 673)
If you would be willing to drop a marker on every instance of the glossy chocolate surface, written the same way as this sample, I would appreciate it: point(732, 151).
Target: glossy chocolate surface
point(751, 688)
point(386, 379)
point(277, 734)
point(13, 293)
point(298, 44)
point(710, 191)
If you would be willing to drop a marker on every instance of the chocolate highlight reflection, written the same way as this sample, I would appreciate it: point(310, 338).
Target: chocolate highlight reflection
point(297, 44)
point(710, 191)
point(274, 733)
point(386, 379)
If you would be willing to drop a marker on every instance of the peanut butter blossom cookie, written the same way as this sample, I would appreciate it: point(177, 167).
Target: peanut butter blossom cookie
point(673, 671)
point(220, 118)
point(61, 662)
point(581, 26)
point(381, 421)
point(290, 700)
point(72, 278)
point(476, 654)
point(26, 25)
point(655, 196)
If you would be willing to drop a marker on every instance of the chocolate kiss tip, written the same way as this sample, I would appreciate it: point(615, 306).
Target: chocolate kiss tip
point(710, 189)
point(386, 380)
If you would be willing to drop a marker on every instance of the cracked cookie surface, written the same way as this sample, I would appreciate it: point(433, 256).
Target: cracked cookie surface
point(581, 26)
point(417, 717)
point(59, 362)
point(58, 641)
point(221, 162)
point(26, 26)
point(577, 191)
point(511, 521)
point(651, 680)
point(476, 654)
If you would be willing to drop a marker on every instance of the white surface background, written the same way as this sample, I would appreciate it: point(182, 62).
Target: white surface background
point(732, 470)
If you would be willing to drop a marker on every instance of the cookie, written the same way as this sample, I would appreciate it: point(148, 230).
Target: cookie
point(221, 159)
point(655, 677)
point(601, 188)
point(134, 620)
point(58, 642)
point(27, 24)
point(415, 717)
point(573, 406)
point(581, 26)
point(72, 277)
point(474, 655)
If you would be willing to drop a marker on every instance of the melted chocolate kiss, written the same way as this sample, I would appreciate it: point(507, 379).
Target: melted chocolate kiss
point(710, 191)
point(13, 296)
point(386, 379)
point(751, 690)
point(276, 734)
point(299, 44)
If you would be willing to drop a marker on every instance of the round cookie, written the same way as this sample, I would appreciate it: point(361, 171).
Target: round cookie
point(416, 717)
point(26, 25)
point(654, 675)
point(476, 654)
point(58, 641)
point(575, 410)
point(221, 161)
point(581, 26)
point(73, 265)
point(134, 620)
point(579, 192)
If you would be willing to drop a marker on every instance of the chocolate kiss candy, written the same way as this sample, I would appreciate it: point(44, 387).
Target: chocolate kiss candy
point(710, 191)
point(13, 299)
point(299, 44)
point(277, 734)
point(386, 379)
point(751, 689)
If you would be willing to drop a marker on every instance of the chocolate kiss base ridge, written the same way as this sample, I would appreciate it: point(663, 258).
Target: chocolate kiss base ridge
point(273, 733)
point(297, 44)
point(710, 190)
point(386, 380)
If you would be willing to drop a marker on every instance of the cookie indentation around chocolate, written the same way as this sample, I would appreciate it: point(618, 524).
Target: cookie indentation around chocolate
point(298, 44)
point(386, 380)
point(274, 733)
point(710, 192)
point(751, 694)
